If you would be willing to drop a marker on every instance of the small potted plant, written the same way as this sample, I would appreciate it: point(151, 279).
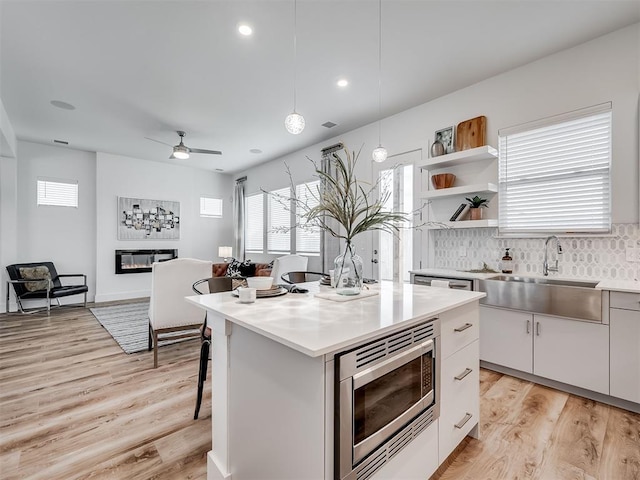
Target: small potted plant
point(475, 207)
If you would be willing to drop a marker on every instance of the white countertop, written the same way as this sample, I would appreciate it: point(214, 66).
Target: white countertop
point(442, 272)
point(316, 326)
point(631, 286)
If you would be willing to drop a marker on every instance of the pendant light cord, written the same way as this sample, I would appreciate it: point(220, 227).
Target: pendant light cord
point(379, 72)
point(295, 50)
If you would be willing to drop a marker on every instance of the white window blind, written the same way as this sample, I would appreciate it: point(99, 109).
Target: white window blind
point(210, 207)
point(59, 193)
point(554, 174)
point(307, 236)
point(279, 222)
point(254, 223)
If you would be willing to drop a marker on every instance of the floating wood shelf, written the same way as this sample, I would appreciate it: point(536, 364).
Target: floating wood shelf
point(459, 158)
point(491, 222)
point(477, 188)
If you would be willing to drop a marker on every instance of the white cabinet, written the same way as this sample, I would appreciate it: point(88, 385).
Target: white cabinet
point(506, 338)
point(569, 351)
point(572, 352)
point(459, 378)
point(449, 199)
point(624, 317)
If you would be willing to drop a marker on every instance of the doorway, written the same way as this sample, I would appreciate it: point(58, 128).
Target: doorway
point(394, 254)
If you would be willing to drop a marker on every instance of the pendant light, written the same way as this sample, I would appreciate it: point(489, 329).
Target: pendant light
point(294, 123)
point(379, 154)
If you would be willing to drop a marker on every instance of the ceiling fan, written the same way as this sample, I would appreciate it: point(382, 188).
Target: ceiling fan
point(181, 151)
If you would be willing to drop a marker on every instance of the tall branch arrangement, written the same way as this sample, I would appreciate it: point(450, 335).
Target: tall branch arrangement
point(343, 206)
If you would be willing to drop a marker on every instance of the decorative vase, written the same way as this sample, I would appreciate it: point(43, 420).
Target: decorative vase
point(475, 213)
point(437, 149)
point(348, 272)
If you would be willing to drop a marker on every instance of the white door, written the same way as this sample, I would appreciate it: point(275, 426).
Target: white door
point(394, 254)
point(506, 338)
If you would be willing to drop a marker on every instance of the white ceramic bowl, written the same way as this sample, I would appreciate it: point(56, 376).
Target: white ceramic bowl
point(260, 283)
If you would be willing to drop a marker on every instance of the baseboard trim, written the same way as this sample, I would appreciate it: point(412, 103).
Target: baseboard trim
point(110, 297)
point(581, 392)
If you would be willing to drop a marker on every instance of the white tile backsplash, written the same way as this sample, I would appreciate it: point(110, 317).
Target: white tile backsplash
point(597, 258)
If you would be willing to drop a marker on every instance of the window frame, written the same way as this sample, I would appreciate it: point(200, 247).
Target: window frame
point(44, 182)
point(203, 214)
point(588, 172)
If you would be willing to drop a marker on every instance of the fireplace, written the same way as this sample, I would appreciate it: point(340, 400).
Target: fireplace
point(139, 261)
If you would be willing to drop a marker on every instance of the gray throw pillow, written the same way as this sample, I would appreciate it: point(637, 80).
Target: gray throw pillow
point(35, 273)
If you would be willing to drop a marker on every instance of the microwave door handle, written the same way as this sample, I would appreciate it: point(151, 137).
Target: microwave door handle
point(382, 368)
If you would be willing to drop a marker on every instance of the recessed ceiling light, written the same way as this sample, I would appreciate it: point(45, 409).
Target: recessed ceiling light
point(63, 105)
point(245, 29)
point(343, 82)
point(255, 150)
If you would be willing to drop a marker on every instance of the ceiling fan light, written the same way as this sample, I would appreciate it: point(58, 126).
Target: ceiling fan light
point(181, 152)
point(379, 154)
point(294, 123)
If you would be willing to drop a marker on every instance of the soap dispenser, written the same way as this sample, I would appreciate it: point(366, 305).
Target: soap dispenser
point(507, 262)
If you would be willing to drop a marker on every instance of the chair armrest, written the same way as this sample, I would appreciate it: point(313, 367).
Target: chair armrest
point(60, 275)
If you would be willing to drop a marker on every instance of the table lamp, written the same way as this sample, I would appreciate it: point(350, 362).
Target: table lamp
point(225, 252)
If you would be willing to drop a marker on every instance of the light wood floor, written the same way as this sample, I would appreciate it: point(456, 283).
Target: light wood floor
point(74, 406)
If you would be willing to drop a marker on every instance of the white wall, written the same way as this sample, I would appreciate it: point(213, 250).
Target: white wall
point(602, 70)
point(119, 176)
point(8, 199)
point(64, 235)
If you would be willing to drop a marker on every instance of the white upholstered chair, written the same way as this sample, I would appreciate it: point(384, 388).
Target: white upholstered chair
point(288, 263)
point(169, 313)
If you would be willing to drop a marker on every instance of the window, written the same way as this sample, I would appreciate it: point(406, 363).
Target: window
point(554, 174)
point(307, 237)
point(254, 223)
point(59, 193)
point(279, 221)
point(210, 207)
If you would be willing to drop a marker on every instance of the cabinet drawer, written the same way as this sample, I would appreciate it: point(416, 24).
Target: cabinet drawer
point(458, 328)
point(626, 301)
point(459, 399)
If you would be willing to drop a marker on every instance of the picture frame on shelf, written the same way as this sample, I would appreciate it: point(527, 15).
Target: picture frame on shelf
point(446, 137)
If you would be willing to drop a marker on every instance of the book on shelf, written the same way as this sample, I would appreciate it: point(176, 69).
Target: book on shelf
point(460, 212)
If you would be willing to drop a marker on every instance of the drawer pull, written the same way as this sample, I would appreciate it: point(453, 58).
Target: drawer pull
point(466, 372)
point(463, 422)
point(463, 328)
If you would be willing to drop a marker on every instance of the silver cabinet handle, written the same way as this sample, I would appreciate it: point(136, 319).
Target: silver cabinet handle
point(466, 372)
point(528, 327)
point(463, 328)
point(538, 329)
point(462, 422)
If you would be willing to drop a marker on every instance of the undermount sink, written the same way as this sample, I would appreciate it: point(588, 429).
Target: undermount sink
point(549, 296)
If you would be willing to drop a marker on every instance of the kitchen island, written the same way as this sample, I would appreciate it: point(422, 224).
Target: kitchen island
point(273, 377)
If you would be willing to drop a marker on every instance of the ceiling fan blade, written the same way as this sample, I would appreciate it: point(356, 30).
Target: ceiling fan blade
point(154, 140)
point(199, 150)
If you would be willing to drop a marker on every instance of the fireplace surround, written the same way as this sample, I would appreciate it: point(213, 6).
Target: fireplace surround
point(139, 261)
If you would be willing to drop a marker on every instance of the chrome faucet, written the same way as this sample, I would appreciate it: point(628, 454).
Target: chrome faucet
point(545, 266)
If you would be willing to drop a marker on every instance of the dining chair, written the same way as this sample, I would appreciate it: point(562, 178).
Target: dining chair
point(213, 285)
point(288, 263)
point(301, 277)
point(170, 316)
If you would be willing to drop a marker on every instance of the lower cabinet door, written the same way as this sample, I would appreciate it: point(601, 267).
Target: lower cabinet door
point(506, 338)
point(459, 397)
point(625, 354)
point(573, 352)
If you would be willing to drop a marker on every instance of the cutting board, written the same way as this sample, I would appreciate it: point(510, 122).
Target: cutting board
point(471, 133)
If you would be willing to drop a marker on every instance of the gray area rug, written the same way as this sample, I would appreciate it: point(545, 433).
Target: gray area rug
point(127, 324)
